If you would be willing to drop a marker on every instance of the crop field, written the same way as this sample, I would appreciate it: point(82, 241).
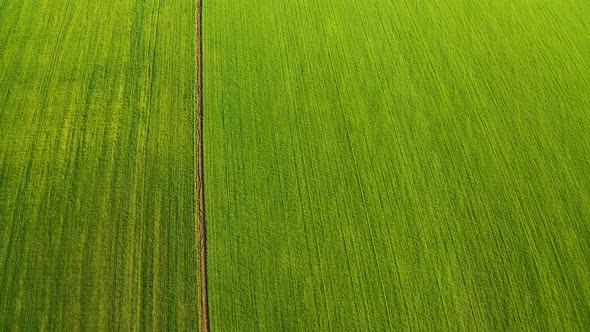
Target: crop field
point(397, 165)
point(97, 200)
point(367, 165)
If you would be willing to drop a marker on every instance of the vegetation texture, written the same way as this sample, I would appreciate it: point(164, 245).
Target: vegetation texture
point(397, 165)
point(97, 207)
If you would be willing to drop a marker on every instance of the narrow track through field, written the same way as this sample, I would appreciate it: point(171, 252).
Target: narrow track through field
point(201, 241)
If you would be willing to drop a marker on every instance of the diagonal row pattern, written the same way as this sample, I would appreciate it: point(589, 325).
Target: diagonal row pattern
point(385, 165)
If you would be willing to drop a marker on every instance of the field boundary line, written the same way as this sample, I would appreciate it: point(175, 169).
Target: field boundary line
point(199, 174)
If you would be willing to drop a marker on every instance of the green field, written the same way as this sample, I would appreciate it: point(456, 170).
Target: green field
point(369, 165)
point(97, 200)
point(397, 165)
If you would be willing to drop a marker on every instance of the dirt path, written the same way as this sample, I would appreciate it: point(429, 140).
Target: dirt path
point(204, 309)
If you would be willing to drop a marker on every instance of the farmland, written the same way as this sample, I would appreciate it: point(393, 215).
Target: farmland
point(368, 165)
point(97, 200)
point(397, 165)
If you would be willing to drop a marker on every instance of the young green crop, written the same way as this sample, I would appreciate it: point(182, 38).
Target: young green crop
point(368, 165)
point(97, 226)
point(384, 165)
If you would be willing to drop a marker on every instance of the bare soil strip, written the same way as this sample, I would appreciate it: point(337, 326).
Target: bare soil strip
point(204, 309)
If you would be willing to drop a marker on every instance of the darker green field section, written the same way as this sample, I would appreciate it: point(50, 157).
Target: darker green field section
point(397, 165)
point(97, 228)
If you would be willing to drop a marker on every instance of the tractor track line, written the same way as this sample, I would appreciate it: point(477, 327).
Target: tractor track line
point(201, 235)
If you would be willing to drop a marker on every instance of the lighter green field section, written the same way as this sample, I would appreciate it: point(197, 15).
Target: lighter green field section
point(97, 226)
point(397, 165)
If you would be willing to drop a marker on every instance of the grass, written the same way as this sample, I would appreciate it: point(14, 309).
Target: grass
point(97, 227)
point(397, 165)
